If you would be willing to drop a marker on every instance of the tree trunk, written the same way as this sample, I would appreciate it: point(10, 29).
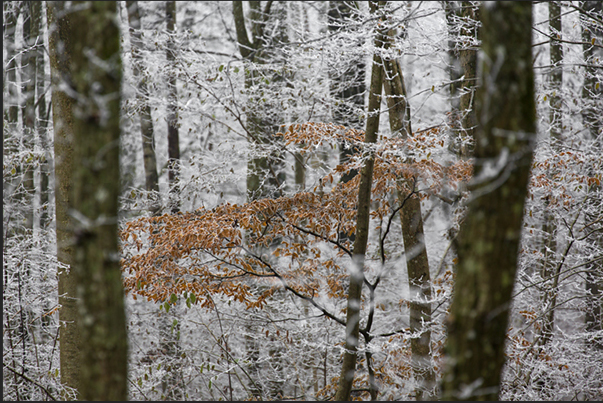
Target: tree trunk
point(468, 60)
point(349, 87)
point(10, 105)
point(417, 262)
point(593, 122)
point(172, 119)
point(556, 75)
point(348, 368)
point(59, 37)
point(488, 241)
point(42, 122)
point(265, 174)
point(28, 76)
point(93, 196)
point(549, 229)
point(142, 95)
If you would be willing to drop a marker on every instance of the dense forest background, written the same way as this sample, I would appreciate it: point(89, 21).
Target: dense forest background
point(281, 200)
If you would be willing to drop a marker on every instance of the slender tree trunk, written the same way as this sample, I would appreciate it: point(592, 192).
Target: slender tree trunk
point(28, 77)
point(94, 202)
point(142, 95)
point(417, 262)
point(468, 60)
point(42, 108)
point(348, 368)
point(59, 37)
point(172, 120)
point(488, 242)
point(549, 229)
point(10, 104)
point(593, 121)
point(452, 12)
point(265, 173)
point(348, 87)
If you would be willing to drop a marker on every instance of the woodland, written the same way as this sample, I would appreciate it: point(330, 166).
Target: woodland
point(302, 200)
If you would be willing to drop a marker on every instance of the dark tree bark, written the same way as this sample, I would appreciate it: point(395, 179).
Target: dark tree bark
point(10, 106)
point(348, 367)
point(549, 247)
point(468, 60)
point(411, 217)
point(593, 122)
point(142, 95)
point(265, 174)
point(348, 87)
point(28, 77)
point(488, 241)
point(556, 75)
point(59, 37)
point(172, 119)
point(93, 117)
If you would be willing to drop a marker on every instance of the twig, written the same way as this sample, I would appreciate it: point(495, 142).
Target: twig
point(29, 380)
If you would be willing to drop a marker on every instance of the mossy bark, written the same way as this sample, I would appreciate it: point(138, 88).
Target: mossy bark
point(488, 241)
point(59, 41)
point(93, 74)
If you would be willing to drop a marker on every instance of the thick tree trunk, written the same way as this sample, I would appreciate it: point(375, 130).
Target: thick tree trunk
point(489, 238)
point(93, 195)
point(142, 95)
point(172, 119)
point(348, 367)
point(59, 29)
point(417, 262)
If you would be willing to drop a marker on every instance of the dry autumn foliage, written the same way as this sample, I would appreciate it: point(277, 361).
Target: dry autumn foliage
point(279, 243)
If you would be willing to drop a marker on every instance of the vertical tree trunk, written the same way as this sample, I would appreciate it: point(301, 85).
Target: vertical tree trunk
point(95, 193)
point(265, 174)
point(452, 11)
point(93, 118)
point(172, 119)
point(265, 167)
point(488, 241)
point(417, 262)
point(142, 95)
point(42, 122)
point(28, 77)
point(593, 122)
point(549, 229)
point(10, 106)
point(59, 41)
point(348, 367)
point(556, 75)
point(468, 60)
point(349, 87)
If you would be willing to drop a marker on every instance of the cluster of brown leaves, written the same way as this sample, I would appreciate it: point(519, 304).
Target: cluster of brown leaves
point(248, 251)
